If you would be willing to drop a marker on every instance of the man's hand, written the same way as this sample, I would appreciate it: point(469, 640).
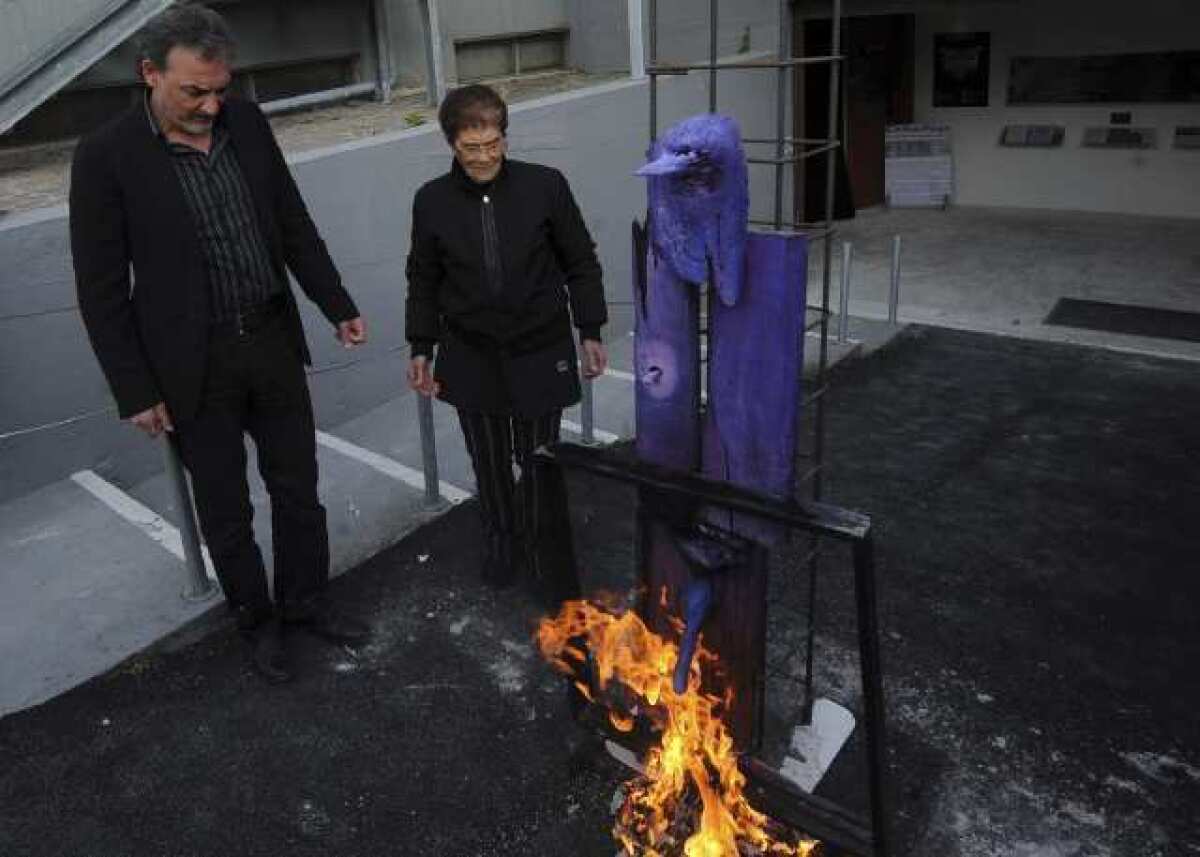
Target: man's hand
point(595, 358)
point(153, 421)
point(420, 377)
point(352, 332)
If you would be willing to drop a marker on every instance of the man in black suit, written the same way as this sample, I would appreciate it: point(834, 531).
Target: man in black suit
point(501, 264)
point(191, 191)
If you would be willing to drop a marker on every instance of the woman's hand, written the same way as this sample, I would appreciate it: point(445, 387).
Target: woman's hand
point(595, 358)
point(420, 377)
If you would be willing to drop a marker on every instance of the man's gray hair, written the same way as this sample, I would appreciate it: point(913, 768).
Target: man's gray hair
point(185, 25)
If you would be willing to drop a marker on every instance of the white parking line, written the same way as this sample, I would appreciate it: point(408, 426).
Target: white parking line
point(390, 467)
point(144, 518)
point(601, 434)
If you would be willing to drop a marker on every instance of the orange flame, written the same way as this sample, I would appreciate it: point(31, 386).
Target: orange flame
point(696, 749)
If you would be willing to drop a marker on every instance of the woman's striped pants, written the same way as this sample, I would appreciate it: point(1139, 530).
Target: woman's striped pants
point(519, 503)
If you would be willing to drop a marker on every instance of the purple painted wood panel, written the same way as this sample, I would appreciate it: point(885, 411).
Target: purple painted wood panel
point(757, 355)
point(666, 342)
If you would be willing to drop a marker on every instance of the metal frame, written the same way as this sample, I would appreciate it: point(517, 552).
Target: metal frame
point(793, 151)
point(809, 814)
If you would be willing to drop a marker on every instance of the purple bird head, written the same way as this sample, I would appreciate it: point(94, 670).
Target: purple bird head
point(699, 201)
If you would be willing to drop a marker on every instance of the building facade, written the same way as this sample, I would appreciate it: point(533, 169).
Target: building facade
point(1089, 105)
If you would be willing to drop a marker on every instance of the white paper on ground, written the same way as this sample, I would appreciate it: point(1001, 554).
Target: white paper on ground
point(816, 745)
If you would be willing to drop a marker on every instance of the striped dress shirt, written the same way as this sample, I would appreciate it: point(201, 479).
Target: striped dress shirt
point(240, 272)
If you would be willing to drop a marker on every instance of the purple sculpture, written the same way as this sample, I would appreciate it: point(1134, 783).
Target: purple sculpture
point(709, 567)
point(697, 224)
point(699, 202)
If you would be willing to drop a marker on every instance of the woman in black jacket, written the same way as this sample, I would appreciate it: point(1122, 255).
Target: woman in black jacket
point(494, 242)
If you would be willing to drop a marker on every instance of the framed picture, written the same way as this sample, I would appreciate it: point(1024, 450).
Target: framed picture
point(1169, 77)
point(960, 69)
point(1045, 136)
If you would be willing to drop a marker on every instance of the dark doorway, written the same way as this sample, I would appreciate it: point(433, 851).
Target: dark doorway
point(876, 91)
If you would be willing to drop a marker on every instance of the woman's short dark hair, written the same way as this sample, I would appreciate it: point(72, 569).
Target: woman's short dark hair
point(185, 25)
point(473, 106)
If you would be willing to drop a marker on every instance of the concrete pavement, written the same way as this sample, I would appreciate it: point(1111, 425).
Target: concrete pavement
point(998, 270)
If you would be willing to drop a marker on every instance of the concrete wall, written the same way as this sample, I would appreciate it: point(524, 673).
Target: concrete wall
point(465, 19)
point(746, 25)
point(1159, 181)
point(600, 31)
point(280, 31)
point(360, 194)
point(406, 29)
point(268, 33)
point(599, 39)
point(599, 35)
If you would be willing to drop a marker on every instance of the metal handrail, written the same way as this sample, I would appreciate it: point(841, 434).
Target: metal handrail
point(63, 40)
point(199, 586)
point(429, 457)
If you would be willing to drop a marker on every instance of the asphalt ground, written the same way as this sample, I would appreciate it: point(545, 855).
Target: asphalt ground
point(1034, 508)
point(445, 735)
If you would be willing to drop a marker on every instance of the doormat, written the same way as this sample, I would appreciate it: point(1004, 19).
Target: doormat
point(1126, 318)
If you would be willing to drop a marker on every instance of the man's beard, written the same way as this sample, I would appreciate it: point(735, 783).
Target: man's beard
point(197, 124)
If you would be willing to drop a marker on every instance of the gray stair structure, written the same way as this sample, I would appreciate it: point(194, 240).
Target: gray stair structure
point(46, 44)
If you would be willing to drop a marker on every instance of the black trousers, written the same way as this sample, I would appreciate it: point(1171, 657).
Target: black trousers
point(255, 385)
point(523, 516)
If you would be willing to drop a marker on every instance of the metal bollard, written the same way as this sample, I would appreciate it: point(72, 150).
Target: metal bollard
point(588, 413)
point(844, 297)
point(199, 587)
point(894, 294)
point(429, 464)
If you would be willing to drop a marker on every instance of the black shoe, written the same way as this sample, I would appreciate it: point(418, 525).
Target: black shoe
point(249, 618)
point(268, 656)
point(334, 627)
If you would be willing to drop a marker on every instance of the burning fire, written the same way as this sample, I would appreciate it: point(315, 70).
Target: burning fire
point(695, 757)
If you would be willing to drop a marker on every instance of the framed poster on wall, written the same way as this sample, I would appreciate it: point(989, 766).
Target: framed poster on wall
point(1169, 77)
point(960, 69)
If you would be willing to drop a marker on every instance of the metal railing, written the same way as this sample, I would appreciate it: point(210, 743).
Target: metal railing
point(198, 587)
point(843, 329)
point(199, 583)
point(894, 291)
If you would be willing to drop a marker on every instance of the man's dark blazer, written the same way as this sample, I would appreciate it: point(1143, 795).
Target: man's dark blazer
point(151, 333)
